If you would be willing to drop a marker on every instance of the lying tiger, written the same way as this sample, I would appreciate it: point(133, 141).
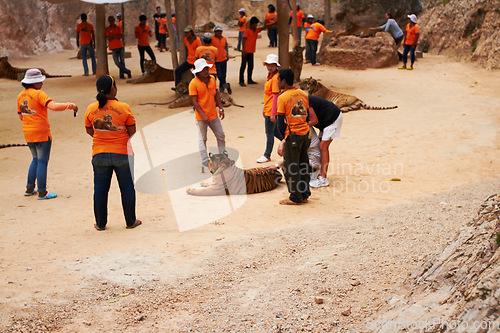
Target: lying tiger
point(154, 73)
point(13, 145)
point(344, 102)
point(7, 71)
point(229, 179)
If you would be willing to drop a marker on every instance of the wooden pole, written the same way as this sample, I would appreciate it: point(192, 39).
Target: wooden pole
point(181, 19)
point(171, 33)
point(283, 34)
point(328, 9)
point(100, 40)
point(295, 29)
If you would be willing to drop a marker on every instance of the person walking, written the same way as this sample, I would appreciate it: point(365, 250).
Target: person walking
point(142, 33)
point(113, 35)
point(242, 25)
point(220, 42)
point(410, 41)
point(191, 43)
point(32, 105)
point(312, 37)
point(206, 100)
point(392, 27)
point(248, 50)
point(271, 21)
point(271, 93)
point(111, 151)
point(85, 40)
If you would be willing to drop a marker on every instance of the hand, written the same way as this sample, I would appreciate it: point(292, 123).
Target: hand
point(221, 113)
point(243, 53)
point(273, 119)
point(205, 118)
point(280, 148)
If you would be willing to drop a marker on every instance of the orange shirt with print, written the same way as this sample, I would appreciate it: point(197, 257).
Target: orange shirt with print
point(191, 48)
point(206, 96)
point(307, 25)
point(251, 39)
point(162, 29)
point(36, 126)
point(411, 33)
point(117, 142)
point(272, 19)
point(142, 34)
point(114, 43)
point(270, 88)
point(212, 52)
point(220, 44)
point(315, 30)
point(85, 30)
point(242, 19)
point(300, 16)
point(294, 105)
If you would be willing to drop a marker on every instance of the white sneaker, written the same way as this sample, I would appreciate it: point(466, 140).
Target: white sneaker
point(323, 181)
point(315, 183)
point(317, 64)
point(263, 159)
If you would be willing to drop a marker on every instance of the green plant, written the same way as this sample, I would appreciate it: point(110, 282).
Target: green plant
point(474, 47)
point(498, 238)
point(445, 2)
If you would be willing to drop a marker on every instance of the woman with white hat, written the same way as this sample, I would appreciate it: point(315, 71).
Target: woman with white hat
point(410, 41)
point(32, 105)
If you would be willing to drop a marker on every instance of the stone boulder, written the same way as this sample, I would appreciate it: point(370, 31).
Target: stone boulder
point(353, 52)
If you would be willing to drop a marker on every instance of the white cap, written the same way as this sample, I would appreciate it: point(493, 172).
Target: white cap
point(242, 10)
point(218, 28)
point(119, 14)
point(199, 65)
point(272, 59)
point(413, 18)
point(33, 76)
point(310, 16)
point(207, 35)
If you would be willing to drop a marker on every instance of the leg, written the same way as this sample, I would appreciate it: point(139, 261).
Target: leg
point(308, 51)
point(324, 147)
point(221, 75)
point(250, 66)
point(216, 127)
point(405, 54)
point(124, 69)
point(240, 39)
point(103, 171)
point(124, 173)
point(314, 49)
point(83, 52)
point(412, 56)
point(275, 36)
point(116, 60)
point(141, 57)
point(243, 66)
point(202, 141)
point(30, 184)
point(300, 35)
point(269, 35)
point(38, 168)
point(150, 52)
point(292, 168)
point(181, 69)
point(270, 130)
point(303, 185)
point(92, 57)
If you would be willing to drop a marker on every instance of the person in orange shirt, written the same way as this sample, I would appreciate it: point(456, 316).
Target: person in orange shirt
point(312, 37)
point(248, 50)
point(208, 52)
point(120, 20)
point(162, 31)
point(32, 105)
point(271, 21)
point(142, 33)
point(271, 93)
point(111, 124)
point(307, 26)
point(206, 99)
point(156, 17)
point(242, 25)
point(220, 43)
point(293, 106)
point(174, 24)
point(191, 43)
point(412, 32)
point(85, 40)
point(114, 34)
point(300, 21)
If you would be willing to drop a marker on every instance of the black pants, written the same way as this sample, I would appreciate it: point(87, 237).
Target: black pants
point(244, 60)
point(181, 69)
point(142, 50)
point(296, 168)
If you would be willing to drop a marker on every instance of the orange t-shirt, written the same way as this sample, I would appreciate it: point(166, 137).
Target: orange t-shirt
point(220, 44)
point(251, 39)
point(142, 34)
point(315, 30)
point(174, 23)
point(307, 25)
point(270, 88)
point(36, 126)
point(206, 96)
point(272, 19)
point(85, 30)
point(114, 43)
point(242, 19)
point(212, 52)
point(411, 33)
point(300, 16)
point(294, 105)
point(162, 29)
point(120, 23)
point(104, 141)
point(191, 48)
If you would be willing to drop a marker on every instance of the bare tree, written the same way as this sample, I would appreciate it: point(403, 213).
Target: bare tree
point(284, 38)
point(171, 33)
point(328, 9)
point(181, 20)
point(295, 28)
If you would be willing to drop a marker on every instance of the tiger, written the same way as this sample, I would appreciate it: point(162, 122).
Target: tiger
point(154, 73)
point(106, 123)
point(7, 71)
point(25, 109)
point(207, 27)
point(356, 30)
point(13, 145)
point(298, 109)
point(344, 102)
point(228, 179)
point(296, 59)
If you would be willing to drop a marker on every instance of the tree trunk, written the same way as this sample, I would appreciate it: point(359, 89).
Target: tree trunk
point(171, 33)
point(328, 9)
point(100, 40)
point(295, 29)
point(283, 36)
point(181, 20)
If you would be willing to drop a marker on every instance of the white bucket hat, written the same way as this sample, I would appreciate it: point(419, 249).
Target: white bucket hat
point(413, 18)
point(272, 59)
point(199, 65)
point(33, 75)
point(310, 16)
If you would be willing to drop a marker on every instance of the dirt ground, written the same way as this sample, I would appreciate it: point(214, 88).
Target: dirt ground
point(258, 266)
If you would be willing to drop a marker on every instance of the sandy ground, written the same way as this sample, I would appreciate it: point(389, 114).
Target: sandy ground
point(256, 266)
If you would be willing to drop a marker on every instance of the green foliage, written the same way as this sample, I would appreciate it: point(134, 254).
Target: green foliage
point(474, 47)
point(445, 2)
point(498, 238)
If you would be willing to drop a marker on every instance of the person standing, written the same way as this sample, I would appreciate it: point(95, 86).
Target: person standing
point(156, 17)
point(32, 105)
point(410, 41)
point(208, 52)
point(271, 93)
point(248, 50)
point(307, 26)
point(162, 30)
point(142, 33)
point(312, 37)
point(111, 151)
point(392, 27)
point(242, 25)
point(206, 99)
point(174, 26)
point(85, 40)
point(120, 20)
point(300, 21)
point(271, 21)
point(293, 105)
point(220, 43)
point(191, 43)
point(114, 34)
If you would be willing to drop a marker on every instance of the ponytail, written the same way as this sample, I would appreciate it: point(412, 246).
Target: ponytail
point(103, 85)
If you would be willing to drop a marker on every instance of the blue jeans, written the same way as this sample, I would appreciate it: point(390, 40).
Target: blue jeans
point(221, 73)
point(83, 51)
point(407, 49)
point(244, 61)
point(38, 167)
point(313, 48)
point(143, 49)
point(272, 33)
point(119, 59)
point(271, 132)
point(240, 40)
point(123, 165)
point(300, 34)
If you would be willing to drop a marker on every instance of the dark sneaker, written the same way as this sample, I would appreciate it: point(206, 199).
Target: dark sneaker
point(229, 90)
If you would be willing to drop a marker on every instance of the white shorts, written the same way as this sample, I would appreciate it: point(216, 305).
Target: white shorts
point(333, 131)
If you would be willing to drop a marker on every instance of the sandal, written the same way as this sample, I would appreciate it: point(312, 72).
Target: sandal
point(28, 194)
point(289, 202)
point(48, 195)
point(410, 68)
point(401, 67)
point(136, 224)
point(99, 228)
